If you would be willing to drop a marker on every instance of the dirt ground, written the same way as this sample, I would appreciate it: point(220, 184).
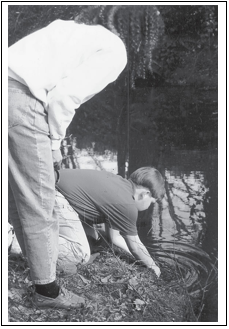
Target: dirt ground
point(115, 288)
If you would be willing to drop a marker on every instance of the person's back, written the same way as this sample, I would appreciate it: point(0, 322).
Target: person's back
point(42, 59)
point(100, 195)
point(93, 194)
point(46, 86)
point(51, 73)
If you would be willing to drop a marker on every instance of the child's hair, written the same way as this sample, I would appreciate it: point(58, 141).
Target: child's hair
point(150, 178)
point(138, 26)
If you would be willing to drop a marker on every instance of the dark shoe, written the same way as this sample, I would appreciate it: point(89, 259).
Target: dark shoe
point(92, 258)
point(66, 299)
point(95, 244)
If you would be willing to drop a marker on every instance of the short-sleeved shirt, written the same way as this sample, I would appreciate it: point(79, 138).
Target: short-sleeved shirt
point(97, 195)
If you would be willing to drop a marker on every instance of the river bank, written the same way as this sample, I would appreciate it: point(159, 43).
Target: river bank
point(116, 288)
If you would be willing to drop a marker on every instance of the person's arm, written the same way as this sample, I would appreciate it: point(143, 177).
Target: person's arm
point(139, 251)
point(81, 84)
point(116, 238)
point(134, 246)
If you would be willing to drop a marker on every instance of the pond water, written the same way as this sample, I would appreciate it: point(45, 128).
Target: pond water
point(175, 130)
point(182, 231)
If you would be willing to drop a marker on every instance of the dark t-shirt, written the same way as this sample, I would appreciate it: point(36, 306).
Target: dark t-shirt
point(97, 195)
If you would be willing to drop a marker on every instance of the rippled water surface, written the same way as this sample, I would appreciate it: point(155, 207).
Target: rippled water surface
point(182, 232)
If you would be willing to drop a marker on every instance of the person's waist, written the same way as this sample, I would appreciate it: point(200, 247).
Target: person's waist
point(15, 77)
point(16, 84)
point(38, 93)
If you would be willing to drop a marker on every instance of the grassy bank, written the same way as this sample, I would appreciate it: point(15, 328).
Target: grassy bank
point(116, 290)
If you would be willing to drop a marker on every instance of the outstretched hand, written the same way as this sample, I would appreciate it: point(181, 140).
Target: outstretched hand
point(156, 269)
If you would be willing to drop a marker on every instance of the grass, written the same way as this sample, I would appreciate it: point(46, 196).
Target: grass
point(116, 289)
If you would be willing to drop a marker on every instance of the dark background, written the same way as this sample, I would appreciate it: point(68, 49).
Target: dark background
point(174, 106)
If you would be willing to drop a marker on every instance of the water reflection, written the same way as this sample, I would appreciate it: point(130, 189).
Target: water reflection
point(181, 217)
point(176, 230)
point(181, 232)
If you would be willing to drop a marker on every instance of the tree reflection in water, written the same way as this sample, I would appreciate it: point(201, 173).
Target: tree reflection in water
point(175, 231)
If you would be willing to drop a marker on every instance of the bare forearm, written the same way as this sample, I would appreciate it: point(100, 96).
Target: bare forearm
point(141, 253)
point(121, 243)
point(134, 246)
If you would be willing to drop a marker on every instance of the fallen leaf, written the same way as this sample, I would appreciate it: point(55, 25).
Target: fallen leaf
point(105, 279)
point(15, 294)
point(117, 317)
point(84, 279)
point(138, 304)
point(139, 301)
point(133, 281)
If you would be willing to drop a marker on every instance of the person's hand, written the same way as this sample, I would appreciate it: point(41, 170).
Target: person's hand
point(156, 269)
point(57, 158)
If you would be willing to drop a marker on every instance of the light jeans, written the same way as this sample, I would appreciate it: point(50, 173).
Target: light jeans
point(32, 183)
point(73, 244)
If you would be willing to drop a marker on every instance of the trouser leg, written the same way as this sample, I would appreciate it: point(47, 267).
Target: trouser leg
point(31, 179)
point(73, 243)
point(14, 219)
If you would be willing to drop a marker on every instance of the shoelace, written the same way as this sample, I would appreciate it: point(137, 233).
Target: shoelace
point(64, 292)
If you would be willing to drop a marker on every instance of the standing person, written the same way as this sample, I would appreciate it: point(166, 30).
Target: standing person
point(99, 196)
point(51, 73)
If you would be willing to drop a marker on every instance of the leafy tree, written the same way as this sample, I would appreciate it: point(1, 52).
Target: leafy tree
point(149, 101)
point(188, 51)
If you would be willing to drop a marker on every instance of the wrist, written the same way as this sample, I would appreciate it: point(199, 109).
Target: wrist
point(152, 266)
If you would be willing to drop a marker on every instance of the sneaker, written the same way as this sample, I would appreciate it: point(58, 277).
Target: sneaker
point(66, 299)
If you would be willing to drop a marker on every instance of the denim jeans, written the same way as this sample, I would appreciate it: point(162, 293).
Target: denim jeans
point(73, 244)
point(32, 183)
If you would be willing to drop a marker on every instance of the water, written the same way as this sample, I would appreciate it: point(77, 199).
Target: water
point(182, 232)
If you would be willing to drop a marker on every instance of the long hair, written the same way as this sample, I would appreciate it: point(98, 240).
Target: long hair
point(138, 26)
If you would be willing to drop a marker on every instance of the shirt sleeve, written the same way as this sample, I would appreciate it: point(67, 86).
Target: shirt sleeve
point(122, 217)
point(81, 84)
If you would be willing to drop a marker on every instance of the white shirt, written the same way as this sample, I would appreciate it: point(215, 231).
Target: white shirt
point(64, 65)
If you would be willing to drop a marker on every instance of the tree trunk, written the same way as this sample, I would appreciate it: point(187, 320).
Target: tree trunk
point(122, 141)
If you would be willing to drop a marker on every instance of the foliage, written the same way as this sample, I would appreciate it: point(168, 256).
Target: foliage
point(138, 26)
point(188, 51)
point(190, 34)
point(173, 104)
point(116, 290)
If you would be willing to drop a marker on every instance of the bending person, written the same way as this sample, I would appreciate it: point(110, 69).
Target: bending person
point(51, 73)
point(102, 196)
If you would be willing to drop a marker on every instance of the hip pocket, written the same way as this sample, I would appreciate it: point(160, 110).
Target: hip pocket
point(25, 110)
point(18, 107)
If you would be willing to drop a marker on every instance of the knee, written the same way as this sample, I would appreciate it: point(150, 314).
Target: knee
point(77, 252)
